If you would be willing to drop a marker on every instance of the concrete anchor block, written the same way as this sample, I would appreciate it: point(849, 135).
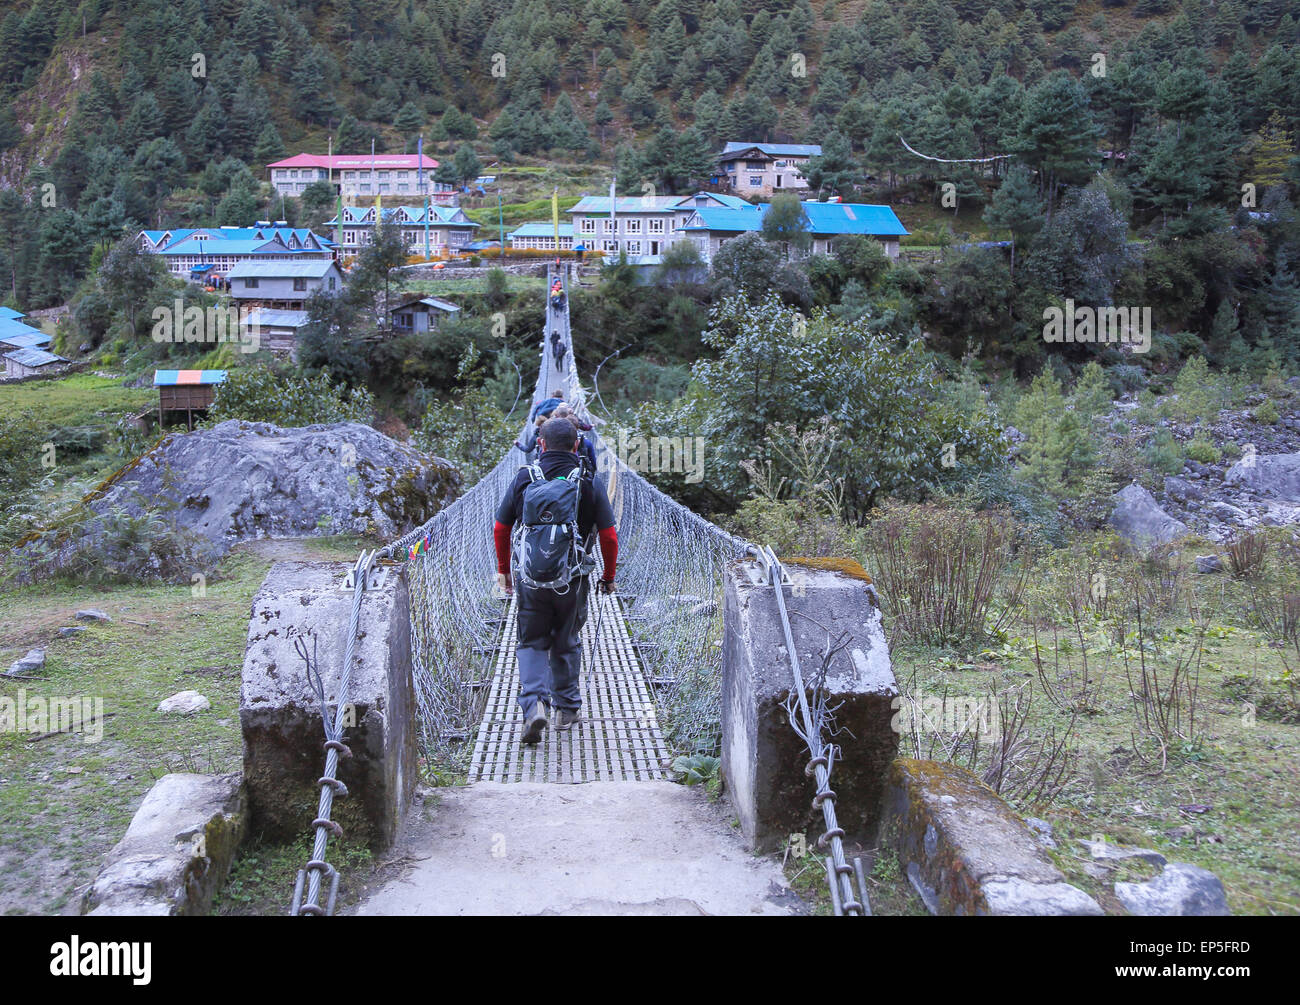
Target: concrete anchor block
point(280, 716)
point(177, 851)
point(965, 850)
point(762, 757)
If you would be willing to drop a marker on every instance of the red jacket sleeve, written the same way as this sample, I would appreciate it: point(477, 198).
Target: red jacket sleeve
point(609, 551)
point(501, 537)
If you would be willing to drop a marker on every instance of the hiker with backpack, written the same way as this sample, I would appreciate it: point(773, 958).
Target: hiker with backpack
point(544, 536)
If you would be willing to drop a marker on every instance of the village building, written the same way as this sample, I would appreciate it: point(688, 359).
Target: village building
point(362, 176)
point(643, 227)
point(275, 330)
point(420, 314)
point(29, 362)
point(283, 285)
point(208, 253)
point(540, 237)
point(710, 227)
point(16, 335)
point(448, 230)
point(187, 392)
point(764, 169)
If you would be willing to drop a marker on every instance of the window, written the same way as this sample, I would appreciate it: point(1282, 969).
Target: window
point(300, 286)
point(383, 175)
point(755, 182)
point(656, 226)
point(250, 284)
point(634, 226)
point(778, 181)
point(755, 165)
point(610, 245)
point(588, 226)
point(331, 282)
point(634, 247)
point(609, 226)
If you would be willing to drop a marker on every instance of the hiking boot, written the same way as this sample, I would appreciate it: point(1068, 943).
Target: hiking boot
point(566, 717)
point(536, 723)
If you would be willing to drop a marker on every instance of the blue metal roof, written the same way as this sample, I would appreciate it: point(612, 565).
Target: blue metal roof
point(310, 268)
point(33, 357)
point(8, 313)
point(8, 326)
point(25, 341)
point(718, 218)
point(853, 218)
point(777, 149)
point(541, 230)
point(824, 219)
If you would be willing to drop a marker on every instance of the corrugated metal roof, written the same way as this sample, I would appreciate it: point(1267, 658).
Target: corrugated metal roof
point(626, 204)
point(276, 318)
point(25, 341)
point(9, 326)
point(541, 230)
point(824, 219)
point(10, 314)
point(313, 269)
point(33, 357)
point(172, 378)
point(777, 149)
point(434, 302)
point(853, 218)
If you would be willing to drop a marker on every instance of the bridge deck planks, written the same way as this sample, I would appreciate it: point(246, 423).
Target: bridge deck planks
point(617, 739)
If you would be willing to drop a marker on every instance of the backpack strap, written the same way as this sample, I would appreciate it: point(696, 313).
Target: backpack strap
point(535, 472)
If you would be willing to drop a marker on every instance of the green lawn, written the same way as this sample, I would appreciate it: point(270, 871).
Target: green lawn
point(79, 400)
point(65, 802)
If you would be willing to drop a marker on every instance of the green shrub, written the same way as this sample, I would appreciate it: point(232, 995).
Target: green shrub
point(1058, 447)
point(1202, 449)
point(258, 394)
point(945, 574)
point(1162, 453)
point(1267, 412)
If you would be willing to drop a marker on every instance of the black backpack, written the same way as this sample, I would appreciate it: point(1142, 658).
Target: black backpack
point(548, 554)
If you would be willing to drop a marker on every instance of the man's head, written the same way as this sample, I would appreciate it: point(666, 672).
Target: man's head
point(558, 434)
point(560, 411)
point(558, 393)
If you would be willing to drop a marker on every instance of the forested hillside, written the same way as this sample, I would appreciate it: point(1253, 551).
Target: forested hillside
point(164, 114)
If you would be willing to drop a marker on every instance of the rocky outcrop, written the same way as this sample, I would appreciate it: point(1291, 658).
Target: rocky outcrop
point(243, 480)
point(177, 851)
point(1139, 519)
point(965, 851)
point(1271, 475)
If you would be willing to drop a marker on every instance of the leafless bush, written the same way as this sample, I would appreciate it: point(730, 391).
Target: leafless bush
point(948, 575)
point(1164, 682)
point(991, 735)
point(1246, 555)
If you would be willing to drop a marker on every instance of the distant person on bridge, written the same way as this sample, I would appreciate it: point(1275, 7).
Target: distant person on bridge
point(585, 449)
point(557, 349)
point(557, 296)
point(542, 411)
point(560, 506)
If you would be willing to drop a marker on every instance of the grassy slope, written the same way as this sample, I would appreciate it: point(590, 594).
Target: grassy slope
point(63, 802)
point(1244, 768)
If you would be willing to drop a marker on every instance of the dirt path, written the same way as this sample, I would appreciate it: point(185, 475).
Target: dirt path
point(601, 848)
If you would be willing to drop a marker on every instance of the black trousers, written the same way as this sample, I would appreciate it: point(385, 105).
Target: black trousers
point(549, 648)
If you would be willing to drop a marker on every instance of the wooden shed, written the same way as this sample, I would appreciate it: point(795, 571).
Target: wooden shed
point(187, 391)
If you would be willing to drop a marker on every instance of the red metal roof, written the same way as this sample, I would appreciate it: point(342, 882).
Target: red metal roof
point(352, 161)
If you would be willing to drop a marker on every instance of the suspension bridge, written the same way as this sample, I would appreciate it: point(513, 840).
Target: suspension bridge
point(652, 661)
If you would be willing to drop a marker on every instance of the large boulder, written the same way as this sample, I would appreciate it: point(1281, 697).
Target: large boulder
point(1275, 475)
point(1139, 519)
point(242, 480)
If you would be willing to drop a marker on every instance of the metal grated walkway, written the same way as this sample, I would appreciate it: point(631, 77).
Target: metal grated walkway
point(618, 737)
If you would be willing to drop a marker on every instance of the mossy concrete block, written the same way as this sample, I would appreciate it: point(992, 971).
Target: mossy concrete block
point(763, 759)
point(284, 753)
point(177, 851)
point(965, 850)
